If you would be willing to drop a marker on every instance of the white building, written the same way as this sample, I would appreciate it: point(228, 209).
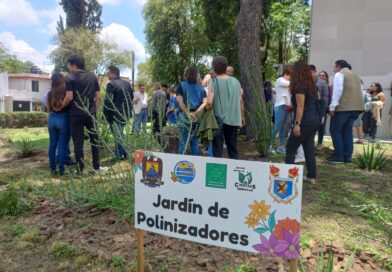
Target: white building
point(23, 91)
point(358, 31)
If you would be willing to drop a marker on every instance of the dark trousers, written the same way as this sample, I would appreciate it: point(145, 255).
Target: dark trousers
point(307, 141)
point(78, 123)
point(227, 134)
point(158, 121)
point(321, 130)
point(341, 129)
point(369, 124)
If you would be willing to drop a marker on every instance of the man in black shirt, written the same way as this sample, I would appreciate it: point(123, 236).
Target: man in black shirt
point(82, 91)
point(118, 108)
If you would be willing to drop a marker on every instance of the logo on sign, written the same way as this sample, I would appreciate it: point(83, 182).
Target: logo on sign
point(216, 175)
point(152, 171)
point(245, 180)
point(283, 190)
point(184, 172)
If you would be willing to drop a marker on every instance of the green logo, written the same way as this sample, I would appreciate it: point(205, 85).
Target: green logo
point(244, 180)
point(216, 175)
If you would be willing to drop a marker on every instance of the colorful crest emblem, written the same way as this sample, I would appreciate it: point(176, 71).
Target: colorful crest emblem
point(283, 190)
point(152, 171)
point(184, 172)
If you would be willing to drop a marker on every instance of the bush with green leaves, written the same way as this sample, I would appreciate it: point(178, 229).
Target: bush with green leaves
point(26, 147)
point(11, 203)
point(370, 159)
point(23, 119)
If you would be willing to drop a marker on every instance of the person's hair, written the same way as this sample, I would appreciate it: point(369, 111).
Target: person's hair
point(114, 70)
point(164, 85)
point(77, 60)
point(219, 64)
point(173, 90)
point(326, 75)
point(288, 70)
point(312, 67)
point(301, 78)
point(57, 90)
point(191, 74)
point(343, 64)
point(267, 84)
point(378, 86)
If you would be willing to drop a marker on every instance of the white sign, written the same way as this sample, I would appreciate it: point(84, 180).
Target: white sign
point(244, 205)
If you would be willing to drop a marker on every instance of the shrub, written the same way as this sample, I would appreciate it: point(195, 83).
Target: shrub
point(11, 203)
point(62, 249)
point(23, 119)
point(26, 147)
point(370, 159)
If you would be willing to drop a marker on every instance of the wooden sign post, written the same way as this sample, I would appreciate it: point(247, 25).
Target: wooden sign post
point(140, 250)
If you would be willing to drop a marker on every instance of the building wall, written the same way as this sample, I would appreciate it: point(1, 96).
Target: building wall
point(358, 31)
point(21, 89)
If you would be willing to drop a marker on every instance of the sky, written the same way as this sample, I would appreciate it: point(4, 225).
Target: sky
point(27, 27)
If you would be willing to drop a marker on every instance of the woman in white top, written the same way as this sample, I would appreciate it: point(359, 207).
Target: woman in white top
point(282, 109)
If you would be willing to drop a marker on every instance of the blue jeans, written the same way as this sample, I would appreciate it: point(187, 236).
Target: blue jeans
point(281, 126)
point(185, 128)
point(341, 130)
point(141, 121)
point(58, 126)
point(117, 130)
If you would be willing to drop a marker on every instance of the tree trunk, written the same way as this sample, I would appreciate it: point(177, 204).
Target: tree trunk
point(248, 33)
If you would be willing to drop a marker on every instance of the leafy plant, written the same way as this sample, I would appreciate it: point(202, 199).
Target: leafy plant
point(118, 261)
point(26, 147)
point(370, 159)
point(328, 265)
point(62, 249)
point(17, 230)
point(11, 203)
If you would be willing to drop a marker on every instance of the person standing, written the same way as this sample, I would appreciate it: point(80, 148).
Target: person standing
point(117, 108)
point(282, 111)
point(224, 96)
point(371, 118)
point(191, 99)
point(322, 86)
point(82, 89)
point(159, 98)
point(345, 107)
point(58, 124)
point(172, 108)
point(140, 101)
point(307, 116)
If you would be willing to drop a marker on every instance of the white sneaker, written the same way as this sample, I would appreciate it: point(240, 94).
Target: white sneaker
point(299, 158)
point(101, 170)
point(281, 150)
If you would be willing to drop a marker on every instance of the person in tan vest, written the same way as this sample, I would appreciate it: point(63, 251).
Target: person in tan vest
point(345, 107)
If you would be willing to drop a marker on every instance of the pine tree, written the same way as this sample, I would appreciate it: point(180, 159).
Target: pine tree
point(81, 13)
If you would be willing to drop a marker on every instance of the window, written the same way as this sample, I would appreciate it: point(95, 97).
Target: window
point(35, 86)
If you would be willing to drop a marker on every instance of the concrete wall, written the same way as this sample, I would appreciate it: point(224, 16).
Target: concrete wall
point(360, 32)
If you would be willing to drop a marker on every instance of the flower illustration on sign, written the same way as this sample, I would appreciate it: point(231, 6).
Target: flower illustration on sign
point(138, 155)
point(283, 237)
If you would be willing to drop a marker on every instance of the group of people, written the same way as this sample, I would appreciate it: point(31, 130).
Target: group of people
point(302, 99)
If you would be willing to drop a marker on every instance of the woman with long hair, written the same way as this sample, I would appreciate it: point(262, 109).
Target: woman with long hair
point(58, 123)
point(307, 117)
point(321, 131)
point(371, 118)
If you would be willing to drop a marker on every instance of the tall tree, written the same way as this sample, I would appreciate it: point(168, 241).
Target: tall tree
point(81, 13)
point(248, 33)
point(11, 64)
point(175, 37)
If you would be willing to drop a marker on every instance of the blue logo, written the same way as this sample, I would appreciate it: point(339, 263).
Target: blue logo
point(283, 187)
point(184, 172)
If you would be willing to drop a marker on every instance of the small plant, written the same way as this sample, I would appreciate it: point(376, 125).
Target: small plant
point(26, 147)
point(118, 261)
point(11, 203)
point(370, 160)
point(62, 249)
point(17, 230)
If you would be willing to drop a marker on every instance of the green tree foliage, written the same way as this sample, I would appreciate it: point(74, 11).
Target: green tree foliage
point(175, 34)
point(144, 74)
point(11, 64)
point(81, 13)
point(98, 54)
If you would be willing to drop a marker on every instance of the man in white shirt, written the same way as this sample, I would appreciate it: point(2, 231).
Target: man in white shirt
point(141, 109)
point(282, 111)
point(346, 105)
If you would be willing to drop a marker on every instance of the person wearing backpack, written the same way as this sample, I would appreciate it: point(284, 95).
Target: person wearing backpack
point(307, 117)
point(117, 108)
point(191, 98)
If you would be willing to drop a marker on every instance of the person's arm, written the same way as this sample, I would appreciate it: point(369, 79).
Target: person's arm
point(201, 107)
point(300, 99)
point(48, 106)
point(68, 98)
point(181, 104)
point(337, 92)
point(382, 97)
point(210, 96)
